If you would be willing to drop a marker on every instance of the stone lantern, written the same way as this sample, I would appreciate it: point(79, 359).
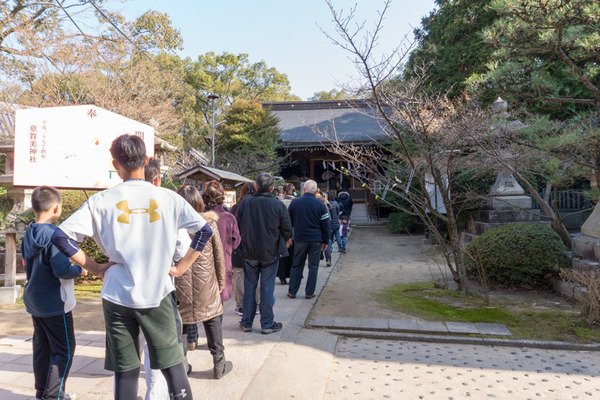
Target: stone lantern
point(507, 202)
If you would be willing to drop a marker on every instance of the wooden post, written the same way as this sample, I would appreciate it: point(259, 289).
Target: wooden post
point(10, 260)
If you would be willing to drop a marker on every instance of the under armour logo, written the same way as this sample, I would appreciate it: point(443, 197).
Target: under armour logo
point(151, 211)
point(181, 395)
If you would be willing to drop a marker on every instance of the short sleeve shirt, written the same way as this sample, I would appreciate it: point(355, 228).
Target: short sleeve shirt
point(136, 225)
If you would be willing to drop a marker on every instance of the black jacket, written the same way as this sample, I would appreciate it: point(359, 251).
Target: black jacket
point(310, 218)
point(334, 213)
point(345, 202)
point(264, 226)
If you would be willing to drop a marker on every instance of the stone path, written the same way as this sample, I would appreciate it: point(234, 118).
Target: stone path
point(301, 363)
point(382, 369)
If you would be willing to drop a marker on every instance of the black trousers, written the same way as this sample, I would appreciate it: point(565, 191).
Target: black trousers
point(285, 264)
point(214, 335)
point(53, 350)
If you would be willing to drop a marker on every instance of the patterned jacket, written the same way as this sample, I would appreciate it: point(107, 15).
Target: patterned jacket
point(198, 289)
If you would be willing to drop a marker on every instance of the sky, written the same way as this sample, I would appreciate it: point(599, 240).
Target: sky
point(283, 33)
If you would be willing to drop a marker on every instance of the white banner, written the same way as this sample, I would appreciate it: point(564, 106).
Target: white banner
point(68, 147)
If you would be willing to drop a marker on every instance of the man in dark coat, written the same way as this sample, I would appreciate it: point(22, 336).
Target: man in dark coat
point(345, 201)
point(310, 219)
point(266, 233)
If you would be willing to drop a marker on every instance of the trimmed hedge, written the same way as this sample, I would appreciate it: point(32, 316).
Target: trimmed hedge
point(516, 255)
point(400, 222)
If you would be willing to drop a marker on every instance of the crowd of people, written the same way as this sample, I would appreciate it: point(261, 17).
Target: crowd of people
point(174, 260)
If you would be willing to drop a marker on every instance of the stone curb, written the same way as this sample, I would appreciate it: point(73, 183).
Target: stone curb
point(410, 326)
point(410, 337)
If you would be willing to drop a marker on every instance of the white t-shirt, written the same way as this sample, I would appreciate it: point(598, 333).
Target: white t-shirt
point(136, 225)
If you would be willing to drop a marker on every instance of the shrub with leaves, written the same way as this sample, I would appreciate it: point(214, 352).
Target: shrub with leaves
point(516, 255)
point(400, 222)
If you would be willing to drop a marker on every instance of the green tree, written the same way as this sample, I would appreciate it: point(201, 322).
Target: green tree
point(232, 78)
point(247, 142)
point(547, 53)
point(450, 46)
point(154, 31)
point(333, 94)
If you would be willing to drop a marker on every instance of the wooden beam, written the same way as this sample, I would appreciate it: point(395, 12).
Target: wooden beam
point(10, 260)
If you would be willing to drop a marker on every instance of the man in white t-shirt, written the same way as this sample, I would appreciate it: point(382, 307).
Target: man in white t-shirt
point(136, 224)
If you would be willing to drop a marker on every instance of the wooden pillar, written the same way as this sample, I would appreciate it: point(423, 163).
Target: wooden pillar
point(312, 169)
point(10, 260)
point(11, 291)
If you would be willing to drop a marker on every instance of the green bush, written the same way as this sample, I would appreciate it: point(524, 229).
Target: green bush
point(71, 201)
point(400, 222)
point(516, 255)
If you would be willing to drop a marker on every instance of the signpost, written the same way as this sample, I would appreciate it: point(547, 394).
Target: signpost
point(68, 147)
point(64, 147)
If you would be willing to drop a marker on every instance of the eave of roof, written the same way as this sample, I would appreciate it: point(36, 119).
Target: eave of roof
point(317, 123)
point(214, 173)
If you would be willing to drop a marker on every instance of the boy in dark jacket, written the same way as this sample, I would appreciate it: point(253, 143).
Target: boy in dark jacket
point(49, 297)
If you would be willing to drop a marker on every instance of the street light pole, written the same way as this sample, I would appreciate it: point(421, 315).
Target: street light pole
point(213, 97)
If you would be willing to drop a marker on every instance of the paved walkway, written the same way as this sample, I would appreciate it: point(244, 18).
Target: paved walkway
point(301, 363)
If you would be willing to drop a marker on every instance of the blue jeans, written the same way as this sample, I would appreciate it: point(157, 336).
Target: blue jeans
point(312, 250)
point(335, 233)
point(266, 272)
point(342, 242)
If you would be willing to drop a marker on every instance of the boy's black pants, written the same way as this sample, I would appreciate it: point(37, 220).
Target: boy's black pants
point(53, 349)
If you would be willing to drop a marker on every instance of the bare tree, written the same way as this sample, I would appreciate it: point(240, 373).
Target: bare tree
point(426, 142)
point(117, 72)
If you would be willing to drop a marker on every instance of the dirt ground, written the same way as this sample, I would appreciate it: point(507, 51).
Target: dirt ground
point(375, 259)
point(87, 315)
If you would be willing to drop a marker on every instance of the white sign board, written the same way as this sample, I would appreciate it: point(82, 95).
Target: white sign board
point(68, 147)
point(433, 191)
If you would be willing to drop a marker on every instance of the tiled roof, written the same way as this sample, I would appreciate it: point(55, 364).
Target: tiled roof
point(213, 173)
point(7, 119)
point(309, 123)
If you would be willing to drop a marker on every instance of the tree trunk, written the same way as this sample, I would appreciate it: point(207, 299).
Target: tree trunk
point(457, 253)
point(554, 218)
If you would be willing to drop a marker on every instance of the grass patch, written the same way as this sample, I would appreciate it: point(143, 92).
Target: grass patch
point(88, 289)
point(424, 301)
